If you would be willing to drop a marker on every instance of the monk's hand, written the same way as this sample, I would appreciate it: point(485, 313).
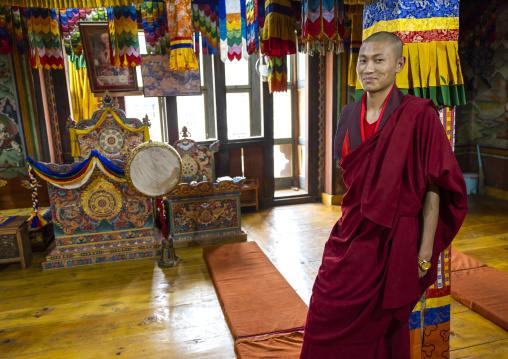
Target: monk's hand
point(421, 272)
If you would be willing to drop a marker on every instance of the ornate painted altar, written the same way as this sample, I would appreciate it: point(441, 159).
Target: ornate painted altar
point(202, 211)
point(99, 217)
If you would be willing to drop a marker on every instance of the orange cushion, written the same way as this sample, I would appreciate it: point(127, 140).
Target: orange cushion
point(278, 346)
point(255, 297)
point(461, 261)
point(484, 290)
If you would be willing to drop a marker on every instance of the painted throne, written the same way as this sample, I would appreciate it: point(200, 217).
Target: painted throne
point(201, 210)
point(104, 219)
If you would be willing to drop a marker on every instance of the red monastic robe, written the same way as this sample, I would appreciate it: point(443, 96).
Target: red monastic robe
point(368, 282)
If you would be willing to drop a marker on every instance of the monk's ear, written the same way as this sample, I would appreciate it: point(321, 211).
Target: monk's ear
point(401, 62)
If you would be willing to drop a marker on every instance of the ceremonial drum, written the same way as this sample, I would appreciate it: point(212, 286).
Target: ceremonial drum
point(154, 169)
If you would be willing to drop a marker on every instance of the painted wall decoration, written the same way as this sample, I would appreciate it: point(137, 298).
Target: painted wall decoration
point(484, 56)
point(12, 146)
point(159, 80)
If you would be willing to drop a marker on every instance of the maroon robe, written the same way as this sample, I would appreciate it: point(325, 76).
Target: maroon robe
point(368, 282)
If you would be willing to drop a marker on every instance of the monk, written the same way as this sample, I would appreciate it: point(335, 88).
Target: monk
point(405, 202)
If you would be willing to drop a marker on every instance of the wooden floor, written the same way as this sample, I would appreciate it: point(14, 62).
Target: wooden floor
point(134, 309)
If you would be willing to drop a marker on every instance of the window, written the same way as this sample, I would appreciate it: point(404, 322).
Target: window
point(283, 151)
point(139, 106)
point(197, 112)
point(242, 100)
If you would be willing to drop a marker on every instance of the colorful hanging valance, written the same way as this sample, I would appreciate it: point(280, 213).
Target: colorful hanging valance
point(279, 38)
point(277, 74)
point(123, 35)
point(69, 4)
point(69, 21)
point(70, 30)
point(155, 25)
point(180, 34)
point(205, 19)
point(18, 32)
point(44, 38)
point(322, 25)
point(76, 152)
point(261, 24)
point(230, 29)
point(5, 30)
point(430, 36)
point(80, 174)
point(252, 30)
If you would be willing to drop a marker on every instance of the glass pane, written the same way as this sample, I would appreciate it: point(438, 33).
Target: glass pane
point(301, 113)
point(201, 69)
point(301, 66)
point(142, 43)
point(238, 113)
point(302, 164)
point(289, 70)
point(282, 114)
point(139, 106)
point(237, 72)
point(142, 51)
point(283, 160)
point(191, 113)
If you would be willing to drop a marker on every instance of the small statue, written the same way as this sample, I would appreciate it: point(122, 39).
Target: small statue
point(185, 133)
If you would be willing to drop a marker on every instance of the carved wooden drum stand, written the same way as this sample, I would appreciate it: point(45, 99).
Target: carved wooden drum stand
point(153, 169)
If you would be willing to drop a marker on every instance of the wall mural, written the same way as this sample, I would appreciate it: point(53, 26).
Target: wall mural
point(483, 50)
point(12, 147)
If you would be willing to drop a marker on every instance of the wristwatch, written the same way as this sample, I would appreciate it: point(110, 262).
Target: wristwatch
point(423, 264)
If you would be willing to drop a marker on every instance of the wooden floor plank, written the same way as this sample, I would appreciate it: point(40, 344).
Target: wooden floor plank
point(134, 309)
point(492, 350)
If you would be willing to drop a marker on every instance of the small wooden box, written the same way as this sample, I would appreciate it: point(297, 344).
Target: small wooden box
point(14, 242)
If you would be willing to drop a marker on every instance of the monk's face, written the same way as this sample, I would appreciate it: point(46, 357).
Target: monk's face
point(377, 65)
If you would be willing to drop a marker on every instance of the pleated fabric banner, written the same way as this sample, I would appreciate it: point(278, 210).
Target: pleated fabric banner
point(155, 25)
point(322, 25)
point(279, 37)
point(180, 34)
point(252, 29)
point(277, 74)
point(69, 22)
point(6, 38)
point(123, 35)
point(69, 4)
point(80, 173)
point(430, 35)
point(18, 33)
point(234, 31)
point(261, 24)
point(44, 38)
point(205, 19)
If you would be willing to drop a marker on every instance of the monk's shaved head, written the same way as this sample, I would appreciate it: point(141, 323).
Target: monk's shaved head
point(388, 37)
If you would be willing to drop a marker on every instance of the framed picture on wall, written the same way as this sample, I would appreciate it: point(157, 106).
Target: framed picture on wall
point(102, 75)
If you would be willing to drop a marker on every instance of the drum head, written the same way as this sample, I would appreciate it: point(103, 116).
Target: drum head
point(154, 169)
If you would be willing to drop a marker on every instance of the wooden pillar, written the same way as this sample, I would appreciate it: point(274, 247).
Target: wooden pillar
point(221, 113)
point(172, 120)
point(312, 105)
point(268, 185)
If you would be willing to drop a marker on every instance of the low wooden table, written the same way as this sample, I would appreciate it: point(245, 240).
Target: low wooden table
point(249, 194)
point(14, 242)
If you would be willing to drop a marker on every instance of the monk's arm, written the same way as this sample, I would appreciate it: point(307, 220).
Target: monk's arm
point(430, 215)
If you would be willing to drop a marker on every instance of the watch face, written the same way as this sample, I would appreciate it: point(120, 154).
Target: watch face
point(426, 266)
